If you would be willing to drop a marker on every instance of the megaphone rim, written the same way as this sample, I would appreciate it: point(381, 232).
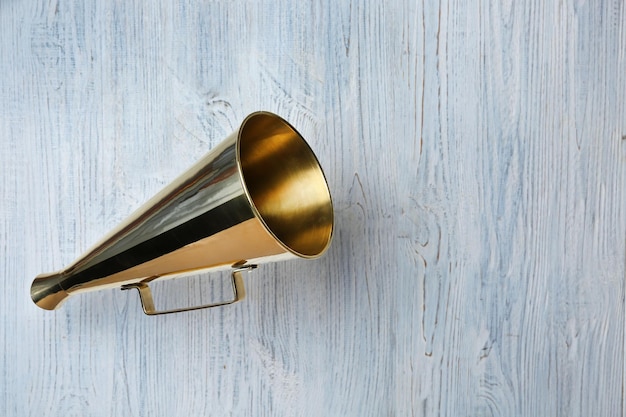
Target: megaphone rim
point(251, 201)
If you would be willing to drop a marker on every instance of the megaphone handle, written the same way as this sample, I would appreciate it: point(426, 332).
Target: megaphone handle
point(147, 301)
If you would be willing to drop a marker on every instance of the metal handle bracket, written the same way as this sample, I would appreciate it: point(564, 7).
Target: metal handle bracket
point(147, 302)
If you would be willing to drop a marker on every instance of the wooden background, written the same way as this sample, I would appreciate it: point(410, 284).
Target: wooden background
point(476, 153)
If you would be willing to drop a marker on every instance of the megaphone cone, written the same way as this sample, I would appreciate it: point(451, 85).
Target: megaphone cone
point(259, 196)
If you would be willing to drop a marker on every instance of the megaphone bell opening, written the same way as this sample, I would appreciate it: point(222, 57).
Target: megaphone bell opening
point(285, 184)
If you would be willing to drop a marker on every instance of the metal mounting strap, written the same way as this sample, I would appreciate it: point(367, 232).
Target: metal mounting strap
point(147, 302)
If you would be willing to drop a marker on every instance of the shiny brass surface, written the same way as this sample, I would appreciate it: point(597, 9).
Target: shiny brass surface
point(259, 196)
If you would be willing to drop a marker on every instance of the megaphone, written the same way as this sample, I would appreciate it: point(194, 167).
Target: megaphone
point(260, 196)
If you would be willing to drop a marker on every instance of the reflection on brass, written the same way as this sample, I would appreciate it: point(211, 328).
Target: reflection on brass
point(259, 196)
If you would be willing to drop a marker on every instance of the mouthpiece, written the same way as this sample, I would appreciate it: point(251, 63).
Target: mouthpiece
point(46, 291)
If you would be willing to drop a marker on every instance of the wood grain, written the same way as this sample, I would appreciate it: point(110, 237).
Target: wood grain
point(477, 160)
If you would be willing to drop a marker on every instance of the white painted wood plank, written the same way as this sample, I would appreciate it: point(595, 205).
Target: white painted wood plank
point(476, 157)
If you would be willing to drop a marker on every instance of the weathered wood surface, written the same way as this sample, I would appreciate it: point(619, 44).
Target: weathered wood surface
point(476, 155)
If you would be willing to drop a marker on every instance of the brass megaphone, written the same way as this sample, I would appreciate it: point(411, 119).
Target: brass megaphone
point(259, 196)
